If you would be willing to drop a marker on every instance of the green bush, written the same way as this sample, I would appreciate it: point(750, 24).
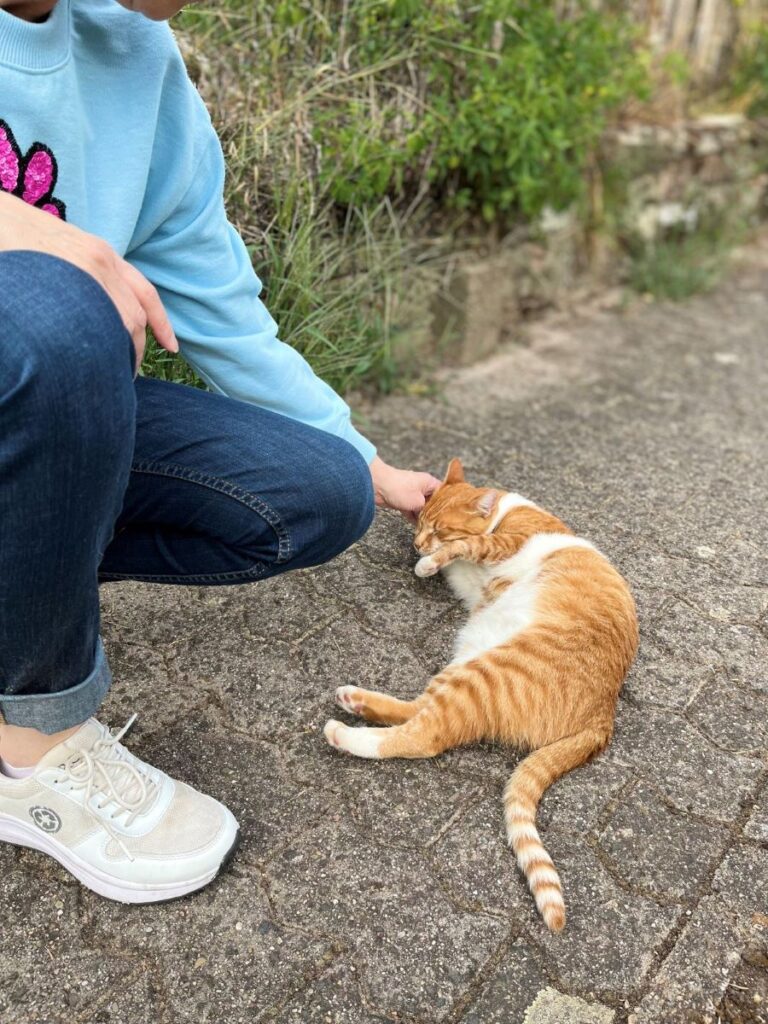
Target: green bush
point(351, 126)
point(491, 107)
point(509, 99)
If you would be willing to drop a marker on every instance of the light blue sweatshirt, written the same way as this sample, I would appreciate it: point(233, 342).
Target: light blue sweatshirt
point(100, 124)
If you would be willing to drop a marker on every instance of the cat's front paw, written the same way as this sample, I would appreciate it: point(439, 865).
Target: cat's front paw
point(427, 566)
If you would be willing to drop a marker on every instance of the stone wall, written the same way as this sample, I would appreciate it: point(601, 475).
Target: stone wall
point(672, 179)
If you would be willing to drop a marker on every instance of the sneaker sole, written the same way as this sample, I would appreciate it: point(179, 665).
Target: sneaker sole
point(20, 834)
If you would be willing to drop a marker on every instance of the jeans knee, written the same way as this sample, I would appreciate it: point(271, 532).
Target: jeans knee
point(359, 498)
point(341, 505)
point(71, 361)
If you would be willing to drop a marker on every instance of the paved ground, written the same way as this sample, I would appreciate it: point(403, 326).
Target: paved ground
point(366, 893)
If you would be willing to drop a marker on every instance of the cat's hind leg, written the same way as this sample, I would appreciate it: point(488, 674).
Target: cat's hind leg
point(377, 707)
point(408, 740)
point(438, 726)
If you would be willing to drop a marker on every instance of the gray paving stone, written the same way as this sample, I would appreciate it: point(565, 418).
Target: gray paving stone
point(744, 652)
point(333, 998)
point(488, 763)
point(665, 674)
point(389, 601)
point(434, 643)
point(416, 950)
point(746, 999)
point(660, 852)
point(731, 605)
point(389, 542)
point(578, 801)
point(260, 686)
point(757, 826)
point(285, 609)
point(511, 989)
point(628, 427)
point(146, 684)
point(476, 866)
point(81, 985)
point(695, 975)
point(743, 876)
point(47, 972)
point(692, 773)
point(409, 808)
point(661, 681)
point(731, 716)
point(137, 997)
point(221, 956)
point(160, 615)
point(345, 654)
point(611, 933)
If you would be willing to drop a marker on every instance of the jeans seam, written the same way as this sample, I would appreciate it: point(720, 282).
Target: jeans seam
point(192, 579)
point(251, 501)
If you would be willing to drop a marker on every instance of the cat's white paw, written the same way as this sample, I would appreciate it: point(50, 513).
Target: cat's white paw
point(333, 732)
point(426, 566)
point(360, 742)
point(348, 697)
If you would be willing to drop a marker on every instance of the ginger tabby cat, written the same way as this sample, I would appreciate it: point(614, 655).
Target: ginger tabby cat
point(551, 635)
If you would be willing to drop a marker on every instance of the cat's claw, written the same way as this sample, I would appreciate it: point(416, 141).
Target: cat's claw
point(426, 566)
point(347, 697)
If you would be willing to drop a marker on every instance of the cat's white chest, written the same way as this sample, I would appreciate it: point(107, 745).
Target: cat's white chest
point(467, 581)
point(512, 612)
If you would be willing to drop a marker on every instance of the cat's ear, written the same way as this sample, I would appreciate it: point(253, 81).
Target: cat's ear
point(455, 474)
point(486, 503)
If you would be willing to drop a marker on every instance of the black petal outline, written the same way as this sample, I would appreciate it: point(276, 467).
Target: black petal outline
point(24, 159)
point(17, 152)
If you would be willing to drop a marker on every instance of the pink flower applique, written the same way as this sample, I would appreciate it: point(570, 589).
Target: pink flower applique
point(32, 176)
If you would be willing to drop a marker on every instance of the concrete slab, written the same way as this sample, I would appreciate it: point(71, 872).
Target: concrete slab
point(367, 892)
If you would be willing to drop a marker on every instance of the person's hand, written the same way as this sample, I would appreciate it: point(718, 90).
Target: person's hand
point(24, 227)
point(402, 489)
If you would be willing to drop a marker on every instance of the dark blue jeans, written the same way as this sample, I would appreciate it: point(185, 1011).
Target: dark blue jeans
point(107, 478)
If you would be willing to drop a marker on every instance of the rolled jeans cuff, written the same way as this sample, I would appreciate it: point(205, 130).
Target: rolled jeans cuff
point(52, 712)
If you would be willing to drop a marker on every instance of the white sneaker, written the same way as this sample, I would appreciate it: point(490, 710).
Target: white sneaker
point(121, 827)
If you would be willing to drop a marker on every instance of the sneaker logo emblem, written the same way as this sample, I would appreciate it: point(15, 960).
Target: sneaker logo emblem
point(45, 819)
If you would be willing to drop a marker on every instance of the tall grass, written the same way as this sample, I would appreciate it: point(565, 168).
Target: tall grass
point(359, 133)
point(333, 277)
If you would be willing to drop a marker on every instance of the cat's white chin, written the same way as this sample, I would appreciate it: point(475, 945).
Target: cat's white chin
point(426, 566)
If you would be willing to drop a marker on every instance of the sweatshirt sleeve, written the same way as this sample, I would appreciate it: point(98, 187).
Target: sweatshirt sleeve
point(200, 266)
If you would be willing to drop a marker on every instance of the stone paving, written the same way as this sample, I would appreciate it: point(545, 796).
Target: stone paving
point(367, 893)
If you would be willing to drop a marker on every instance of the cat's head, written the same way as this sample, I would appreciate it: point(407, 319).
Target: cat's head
point(455, 510)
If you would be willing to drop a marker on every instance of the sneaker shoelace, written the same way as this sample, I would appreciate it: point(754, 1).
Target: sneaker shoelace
point(110, 772)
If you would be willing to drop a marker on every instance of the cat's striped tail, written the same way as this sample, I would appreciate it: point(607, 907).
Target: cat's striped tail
point(521, 798)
